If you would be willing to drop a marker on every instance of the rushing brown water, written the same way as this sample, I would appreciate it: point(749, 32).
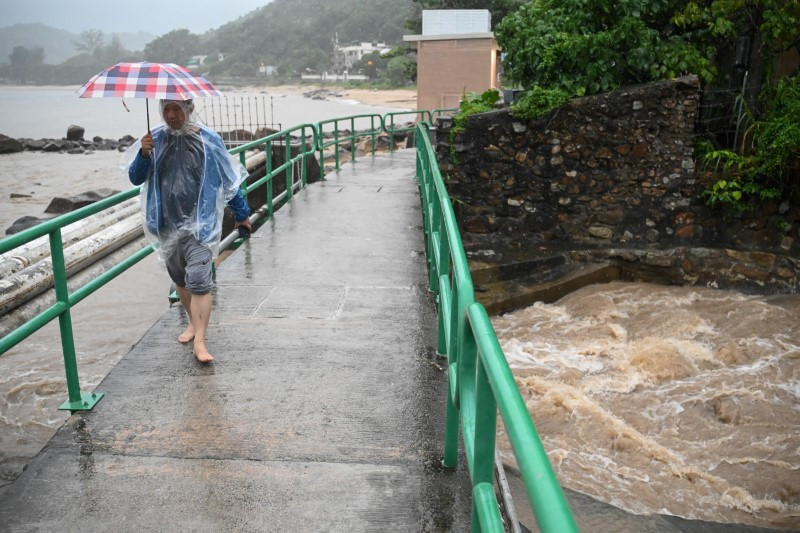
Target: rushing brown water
point(677, 400)
point(32, 380)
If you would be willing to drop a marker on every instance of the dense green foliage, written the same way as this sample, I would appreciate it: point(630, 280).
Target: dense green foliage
point(592, 46)
point(537, 101)
point(724, 19)
point(391, 69)
point(474, 103)
point(177, 46)
point(295, 35)
point(770, 164)
point(587, 47)
point(471, 104)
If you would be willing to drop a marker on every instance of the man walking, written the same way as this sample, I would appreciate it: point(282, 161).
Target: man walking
point(188, 177)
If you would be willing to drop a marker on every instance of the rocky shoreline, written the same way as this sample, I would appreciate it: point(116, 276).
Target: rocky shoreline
point(73, 143)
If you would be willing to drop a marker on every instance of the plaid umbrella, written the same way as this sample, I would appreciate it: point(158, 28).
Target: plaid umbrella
point(147, 80)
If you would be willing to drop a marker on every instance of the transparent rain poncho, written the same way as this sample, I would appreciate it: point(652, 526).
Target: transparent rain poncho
point(190, 177)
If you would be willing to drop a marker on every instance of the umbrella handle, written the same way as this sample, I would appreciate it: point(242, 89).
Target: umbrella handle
point(147, 106)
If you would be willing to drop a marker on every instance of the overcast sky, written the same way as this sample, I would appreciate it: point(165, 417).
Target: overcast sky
point(154, 16)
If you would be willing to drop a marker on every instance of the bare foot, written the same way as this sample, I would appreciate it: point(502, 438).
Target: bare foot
point(201, 352)
point(187, 336)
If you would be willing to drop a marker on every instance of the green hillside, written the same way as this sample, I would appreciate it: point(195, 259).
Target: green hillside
point(57, 44)
point(297, 34)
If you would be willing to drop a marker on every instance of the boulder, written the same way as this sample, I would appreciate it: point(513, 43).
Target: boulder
point(75, 133)
point(9, 145)
point(51, 146)
point(31, 144)
point(107, 144)
point(264, 131)
point(61, 205)
point(24, 223)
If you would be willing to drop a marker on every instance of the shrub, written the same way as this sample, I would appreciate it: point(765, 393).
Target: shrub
point(538, 101)
point(592, 46)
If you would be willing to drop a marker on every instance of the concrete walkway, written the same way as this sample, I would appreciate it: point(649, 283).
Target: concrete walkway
point(323, 411)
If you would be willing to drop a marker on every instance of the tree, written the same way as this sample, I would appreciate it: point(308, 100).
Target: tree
point(177, 46)
point(371, 65)
point(400, 70)
point(114, 52)
point(25, 58)
point(585, 47)
point(25, 63)
point(92, 42)
point(769, 27)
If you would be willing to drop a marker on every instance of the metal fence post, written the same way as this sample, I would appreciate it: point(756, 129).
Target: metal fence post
point(77, 401)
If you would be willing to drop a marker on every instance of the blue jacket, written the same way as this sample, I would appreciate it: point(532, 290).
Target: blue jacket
point(218, 173)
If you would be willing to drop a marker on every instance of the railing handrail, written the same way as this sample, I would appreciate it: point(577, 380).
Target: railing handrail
point(351, 134)
point(65, 300)
point(477, 369)
point(40, 230)
point(52, 228)
point(480, 381)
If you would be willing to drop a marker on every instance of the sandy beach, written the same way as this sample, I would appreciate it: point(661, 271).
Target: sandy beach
point(396, 98)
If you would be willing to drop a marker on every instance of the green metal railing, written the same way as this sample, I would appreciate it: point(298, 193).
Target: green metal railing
point(286, 139)
point(77, 400)
point(410, 116)
point(310, 141)
point(349, 134)
point(84, 401)
point(479, 380)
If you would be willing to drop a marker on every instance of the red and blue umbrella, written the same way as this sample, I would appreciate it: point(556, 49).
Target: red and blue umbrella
point(148, 80)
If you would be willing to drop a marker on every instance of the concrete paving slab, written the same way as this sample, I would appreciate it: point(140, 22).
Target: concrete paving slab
point(324, 408)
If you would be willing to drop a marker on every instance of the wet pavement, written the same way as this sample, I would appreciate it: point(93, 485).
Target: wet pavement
point(323, 411)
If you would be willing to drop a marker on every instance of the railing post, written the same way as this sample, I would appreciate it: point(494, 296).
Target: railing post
point(270, 207)
point(303, 176)
point(336, 142)
point(485, 434)
point(353, 140)
point(391, 134)
point(77, 401)
point(243, 185)
point(450, 459)
point(373, 134)
point(319, 142)
point(287, 151)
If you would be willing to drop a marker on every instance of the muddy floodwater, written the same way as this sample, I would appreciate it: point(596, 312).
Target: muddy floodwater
point(677, 400)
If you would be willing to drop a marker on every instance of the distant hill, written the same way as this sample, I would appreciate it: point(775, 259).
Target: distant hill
point(58, 45)
point(287, 32)
point(134, 41)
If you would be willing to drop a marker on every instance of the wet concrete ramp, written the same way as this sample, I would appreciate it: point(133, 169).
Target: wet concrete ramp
point(323, 411)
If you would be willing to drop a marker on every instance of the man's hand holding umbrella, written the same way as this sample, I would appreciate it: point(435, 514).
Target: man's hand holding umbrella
point(147, 145)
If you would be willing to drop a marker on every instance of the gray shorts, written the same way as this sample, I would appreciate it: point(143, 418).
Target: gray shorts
point(189, 265)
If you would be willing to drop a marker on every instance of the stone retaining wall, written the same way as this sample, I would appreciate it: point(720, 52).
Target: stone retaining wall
point(613, 172)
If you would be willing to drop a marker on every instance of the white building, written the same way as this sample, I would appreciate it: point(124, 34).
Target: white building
point(345, 56)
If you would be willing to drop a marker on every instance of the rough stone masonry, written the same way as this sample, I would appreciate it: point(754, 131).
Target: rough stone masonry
point(613, 176)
